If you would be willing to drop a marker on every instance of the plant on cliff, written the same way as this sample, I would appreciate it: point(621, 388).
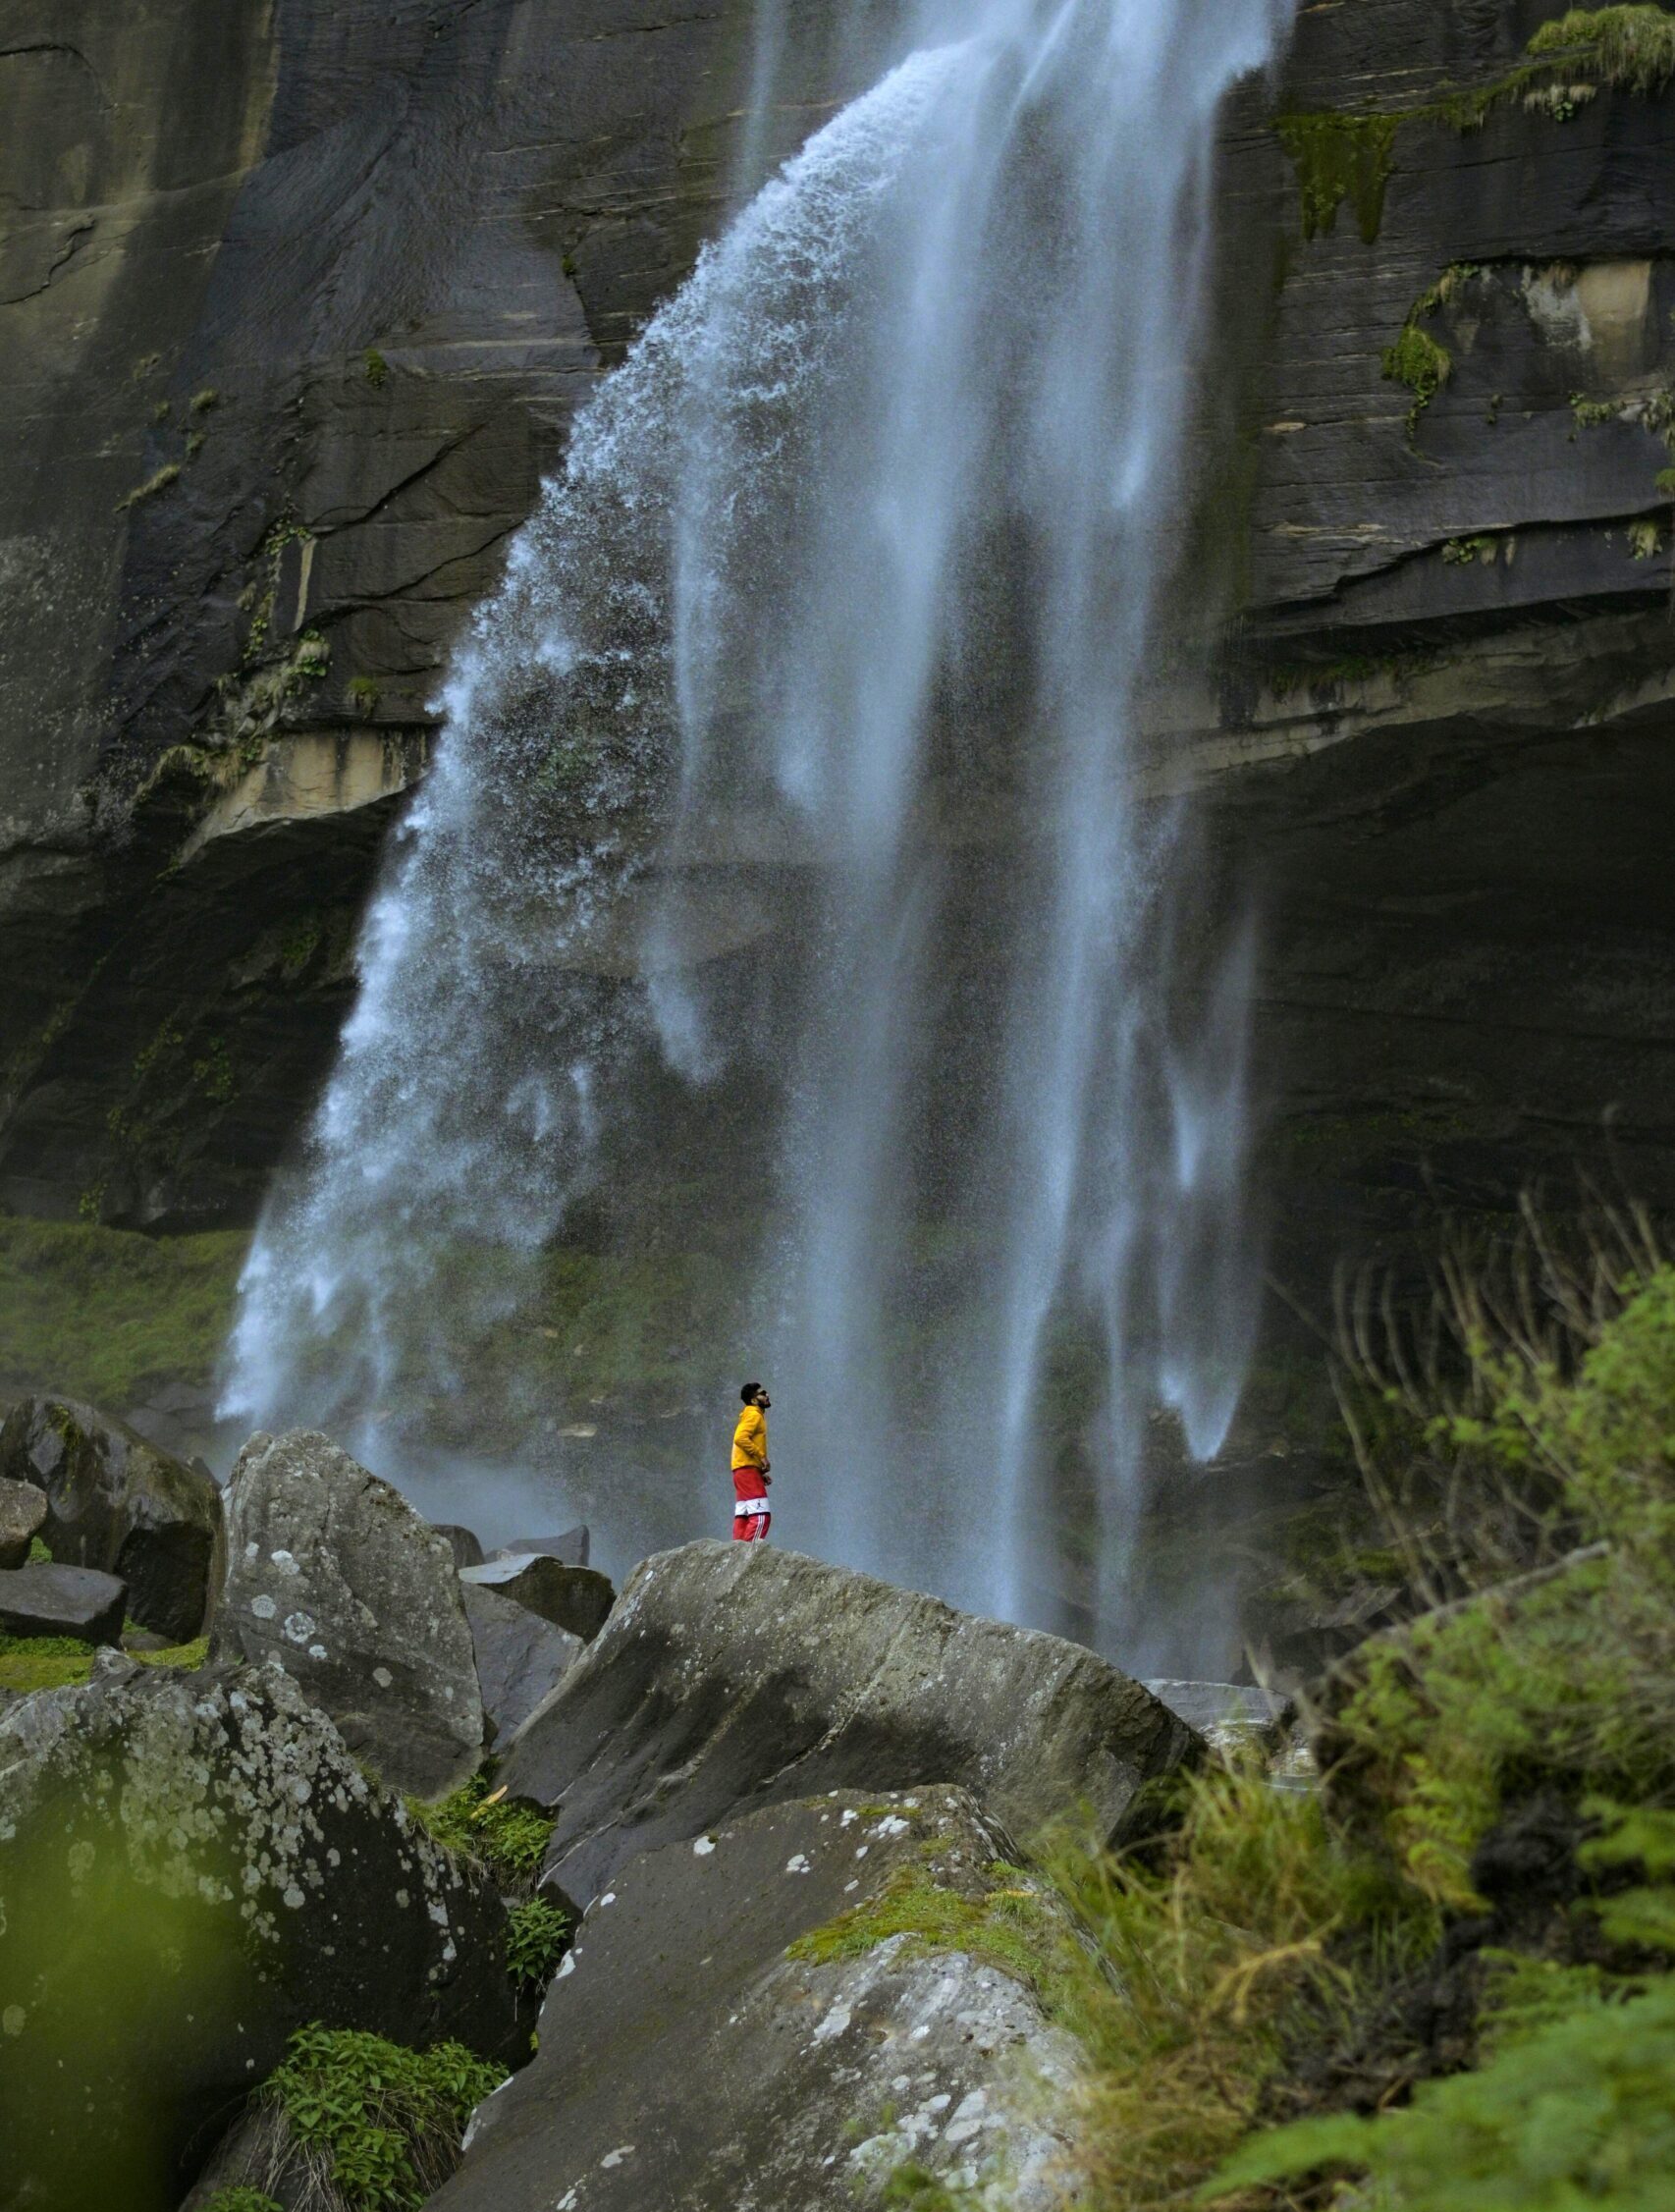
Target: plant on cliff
point(1417, 361)
point(509, 1836)
point(1631, 47)
point(378, 2127)
point(158, 482)
point(536, 1935)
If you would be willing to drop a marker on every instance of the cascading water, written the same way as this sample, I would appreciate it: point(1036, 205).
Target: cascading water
point(791, 777)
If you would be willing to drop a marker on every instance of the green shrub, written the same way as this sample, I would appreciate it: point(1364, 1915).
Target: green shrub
point(535, 1933)
point(382, 2123)
point(509, 1836)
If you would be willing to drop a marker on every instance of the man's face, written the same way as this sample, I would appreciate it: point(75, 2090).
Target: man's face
point(763, 1400)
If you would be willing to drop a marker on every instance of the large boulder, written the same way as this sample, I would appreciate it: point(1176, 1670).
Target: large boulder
point(572, 1546)
point(735, 1675)
point(728, 2029)
point(47, 1599)
point(23, 1515)
point(117, 1503)
point(333, 1574)
point(522, 1657)
point(576, 1598)
point(191, 1867)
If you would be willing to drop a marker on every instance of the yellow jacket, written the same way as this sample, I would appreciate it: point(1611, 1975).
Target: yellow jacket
point(750, 1439)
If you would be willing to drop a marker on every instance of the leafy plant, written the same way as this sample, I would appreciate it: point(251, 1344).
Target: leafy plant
point(1631, 47)
point(241, 2200)
point(535, 1933)
point(383, 2123)
point(509, 1836)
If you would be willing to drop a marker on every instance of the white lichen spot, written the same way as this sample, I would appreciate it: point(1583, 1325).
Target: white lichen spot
point(609, 1898)
point(293, 1898)
point(835, 2023)
point(263, 1606)
point(403, 1899)
point(850, 1816)
point(285, 1563)
point(891, 1825)
point(617, 2156)
point(851, 1885)
point(299, 1627)
point(11, 2019)
point(798, 1864)
point(317, 1651)
point(568, 1966)
point(382, 1677)
point(703, 1847)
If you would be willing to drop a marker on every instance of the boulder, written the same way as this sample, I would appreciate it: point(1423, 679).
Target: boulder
point(733, 1675)
point(522, 1657)
point(23, 1515)
point(118, 1503)
point(333, 1574)
point(572, 1547)
point(194, 1865)
point(48, 1599)
point(576, 1598)
point(1227, 1714)
point(466, 1546)
point(702, 2046)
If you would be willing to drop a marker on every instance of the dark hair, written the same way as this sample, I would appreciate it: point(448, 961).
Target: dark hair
point(747, 1396)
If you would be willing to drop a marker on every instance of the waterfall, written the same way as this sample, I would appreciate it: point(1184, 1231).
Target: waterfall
point(787, 796)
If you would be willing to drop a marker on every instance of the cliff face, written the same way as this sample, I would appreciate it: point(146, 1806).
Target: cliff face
point(300, 299)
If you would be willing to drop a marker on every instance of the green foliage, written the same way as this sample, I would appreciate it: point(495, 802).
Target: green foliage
point(385, 2122)
point(377, 368)
point(507, 1835)
point(40, 1551)
point(1630, 48)
point(202, 401)
point(535, 1933)
point(1339, 157)
point(1646, 540)
point(241, 2201)
point(916, 2189)
point(158, 482)
point(1460, 552)
point(106, 1316)
point(363, 693)
point(1579, 2113)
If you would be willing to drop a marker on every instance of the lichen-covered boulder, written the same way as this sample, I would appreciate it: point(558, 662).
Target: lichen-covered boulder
point(191, 1867)
point(522, 1657)
point(576, 1598)
point(751, 2017)
point(735, 1675)
point(47, 1599)
point(23, 1515)
point(333, 1574)
point(117, 1503)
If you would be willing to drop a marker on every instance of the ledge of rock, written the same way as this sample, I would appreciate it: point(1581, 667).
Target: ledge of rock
point(801, 2079)
point(117, 1503)
point(733, 1675)
point(49, 1600)
point(194, 1866)
point(333, 1574)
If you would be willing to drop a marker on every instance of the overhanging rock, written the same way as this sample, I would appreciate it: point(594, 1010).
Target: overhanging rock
point(731, 1676)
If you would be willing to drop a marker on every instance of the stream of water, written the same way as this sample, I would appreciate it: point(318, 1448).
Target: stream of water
point(791, 773)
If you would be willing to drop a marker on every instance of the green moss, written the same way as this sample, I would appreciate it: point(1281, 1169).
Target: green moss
point(363, 693)
point(106, 1316)
point(158, 482)
point(298, 944)
point(1418, 361)
point(202, 401)
point(40, 1552)
point(1339, 157)
point(1462, 553)
point(1015, 1925)
point(536, 1933)
point(54, 1663)
point(241, 2200)
point(377, 368)
point(1646, 540)
point(383, 2123)
point(1632, 48)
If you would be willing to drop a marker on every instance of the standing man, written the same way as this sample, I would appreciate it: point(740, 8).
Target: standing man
point(750, 1514)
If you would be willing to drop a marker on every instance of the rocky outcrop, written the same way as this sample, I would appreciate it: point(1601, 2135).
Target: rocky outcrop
point(193, 1867)
point(332, 1574)
point(522, 1657)
point(23, 1515)
point(578, 1600)
point(48, 1599)
point(819, 2053)
point(733, 1675)
point(118, 1504)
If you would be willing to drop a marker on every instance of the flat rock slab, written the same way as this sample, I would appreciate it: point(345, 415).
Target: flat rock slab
point(47, 1599)
point(23, 1515)
point(686, 2058)
point(573, 1547)
point(116, 1502)
point(576, 1598)
point(332, 1574)
point(736, 1675)
point(194, 1865)
point(522, 1657)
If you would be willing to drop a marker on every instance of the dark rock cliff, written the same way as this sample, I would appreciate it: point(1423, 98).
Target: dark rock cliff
point(300, 299)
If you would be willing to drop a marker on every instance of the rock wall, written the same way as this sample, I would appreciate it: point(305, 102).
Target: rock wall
point(302, 300)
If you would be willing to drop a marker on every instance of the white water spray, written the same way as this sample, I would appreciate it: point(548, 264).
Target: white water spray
point(795, 756)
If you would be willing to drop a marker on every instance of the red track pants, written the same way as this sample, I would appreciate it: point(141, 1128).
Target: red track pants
point(750, 1514)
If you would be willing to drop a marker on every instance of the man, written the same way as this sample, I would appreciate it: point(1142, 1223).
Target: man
point(750, 1514)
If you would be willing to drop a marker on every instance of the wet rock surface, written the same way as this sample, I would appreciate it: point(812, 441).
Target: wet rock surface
point(49, 1600)
point(193, 1867)
point(686, 2060)
point(333, 1574)
point(522, 1657)
point(117, 1503)
point(576, 1598)
point(731, 1675)
point(23, 1515)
